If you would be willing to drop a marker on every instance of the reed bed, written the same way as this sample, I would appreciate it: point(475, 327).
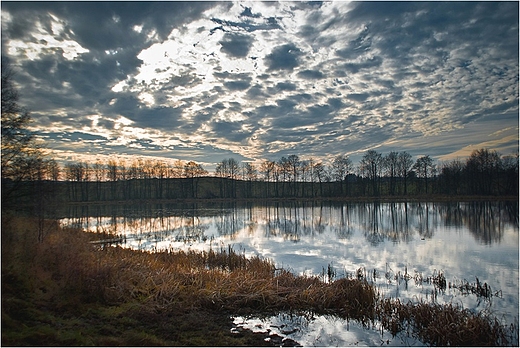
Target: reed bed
point(219, 280)
point(444, 325)
point(223, 280)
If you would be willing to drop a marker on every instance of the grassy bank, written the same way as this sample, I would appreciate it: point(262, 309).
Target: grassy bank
point(68, 291)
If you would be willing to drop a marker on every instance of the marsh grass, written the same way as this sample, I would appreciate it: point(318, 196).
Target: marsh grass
point(67, 290)
point(445, 325)
point(481, 290)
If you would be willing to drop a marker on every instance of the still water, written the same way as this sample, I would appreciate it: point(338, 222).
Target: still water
point(398, 246)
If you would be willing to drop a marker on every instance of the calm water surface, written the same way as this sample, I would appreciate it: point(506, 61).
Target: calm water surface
point(396, 245)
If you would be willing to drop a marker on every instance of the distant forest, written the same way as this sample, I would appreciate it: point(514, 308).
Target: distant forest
point(484, 173)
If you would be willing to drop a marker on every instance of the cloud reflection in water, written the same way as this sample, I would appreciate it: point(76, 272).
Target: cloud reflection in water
point(461, 240)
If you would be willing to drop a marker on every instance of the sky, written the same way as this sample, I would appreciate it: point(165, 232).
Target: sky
point(206, 81)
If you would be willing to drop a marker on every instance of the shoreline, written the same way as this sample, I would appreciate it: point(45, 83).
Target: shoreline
point(374, 199)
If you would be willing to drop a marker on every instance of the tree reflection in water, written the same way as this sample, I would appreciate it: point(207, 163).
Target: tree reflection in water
point(379, 222)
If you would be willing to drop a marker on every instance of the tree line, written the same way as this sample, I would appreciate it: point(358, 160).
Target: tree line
point(484, 172)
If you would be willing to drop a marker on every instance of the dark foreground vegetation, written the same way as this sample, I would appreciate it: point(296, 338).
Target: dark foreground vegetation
point(65, 290)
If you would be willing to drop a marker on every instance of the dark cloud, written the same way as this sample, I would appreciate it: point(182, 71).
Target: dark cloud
point(236, 44)
point(356, 47)
point(235, 82)
point(270, 23)
point(285, 57)
point(369, 63)
point(283, 86)
point(248, 13)
point(164, 118)
point(257, 92)
point(311, 74)
point(72, 136)
point(300, 98)
point(336, 103)
point(237, 85)
point(231, 131)
point(126, 105)
point(358, 97)
point(108, 25)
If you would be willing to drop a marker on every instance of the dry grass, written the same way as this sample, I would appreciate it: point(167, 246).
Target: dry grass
point(223, 280)
point(444, 325)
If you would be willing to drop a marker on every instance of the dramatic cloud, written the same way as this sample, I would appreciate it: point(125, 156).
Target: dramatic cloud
point(205, 81)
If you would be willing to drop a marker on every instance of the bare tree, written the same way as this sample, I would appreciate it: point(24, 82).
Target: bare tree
point(391, 162)
point(404, 166)
point(177, 169)
point(452, 177)
point(293, 162)
point(370, 167)
point(510, 169)
point(482, 169)
point(193, 171)
point(267, 169)
point(340, 168)
point(250, 175)
point(319, 174)
point(19, 149)
point(425, 169)
point(228, 169)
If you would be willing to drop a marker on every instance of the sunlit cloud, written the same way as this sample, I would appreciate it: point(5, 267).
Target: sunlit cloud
point(255, 80)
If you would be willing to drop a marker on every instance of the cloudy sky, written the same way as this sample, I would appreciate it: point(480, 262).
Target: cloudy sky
point(205, 81)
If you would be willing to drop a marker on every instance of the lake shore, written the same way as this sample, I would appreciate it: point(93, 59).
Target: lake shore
point(68, 291)
point(354, 199)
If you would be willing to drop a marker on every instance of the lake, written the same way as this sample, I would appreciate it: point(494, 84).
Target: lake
point(400, 247)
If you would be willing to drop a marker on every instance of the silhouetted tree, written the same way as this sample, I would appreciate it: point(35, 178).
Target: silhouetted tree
point(19, 150)
point(267, 169)
point(404, 166)
point(293, 161)
point(451, 177)
point(482, 168)
point(228, 169)
point(305, 175)
point(391, 165)
point(319, 174)
point(193, 171)
point(370, 167)
point(425, 169)
point(249, 174)
point(510, 170)
point(341, 167)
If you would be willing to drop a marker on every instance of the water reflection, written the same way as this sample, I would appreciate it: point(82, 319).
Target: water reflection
point(379, 222)
point(395, 244)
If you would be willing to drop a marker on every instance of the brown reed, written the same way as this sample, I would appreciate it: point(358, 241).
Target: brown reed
point(444, 325)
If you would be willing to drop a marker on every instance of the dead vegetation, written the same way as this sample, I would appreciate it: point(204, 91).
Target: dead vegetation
point(444, 325)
